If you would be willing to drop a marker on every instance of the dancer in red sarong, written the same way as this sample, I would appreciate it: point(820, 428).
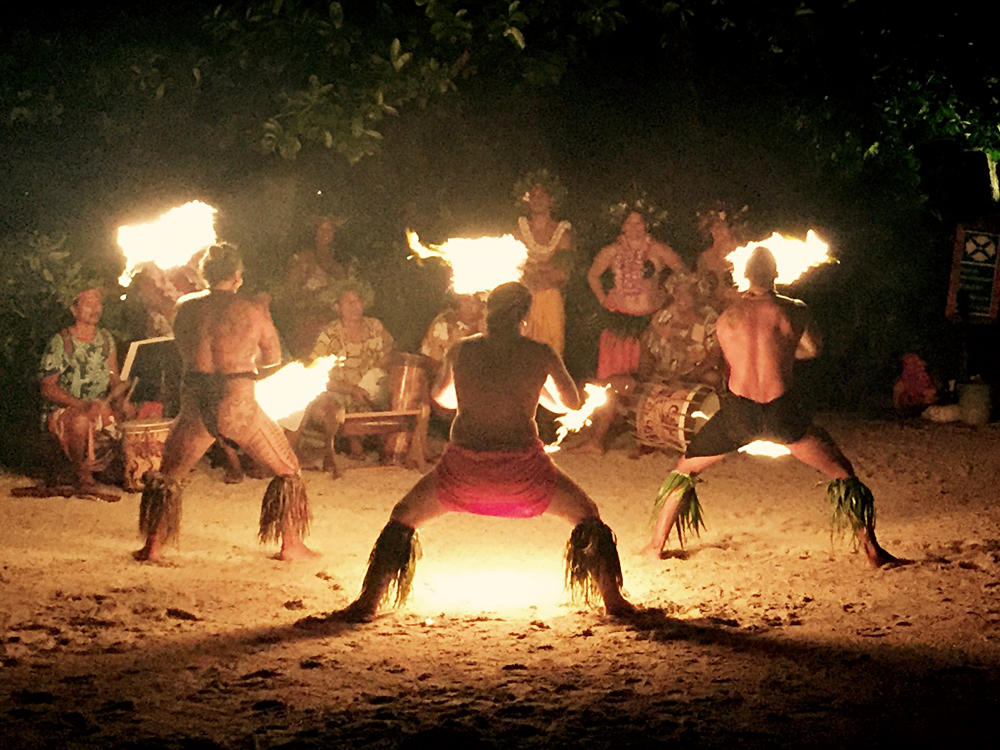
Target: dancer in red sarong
point(495, 464)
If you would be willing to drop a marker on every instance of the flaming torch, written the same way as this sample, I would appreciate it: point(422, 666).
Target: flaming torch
point(477, 265)
point(794, 257)
point(168, 241)
point(575, 420)
point(285, 395)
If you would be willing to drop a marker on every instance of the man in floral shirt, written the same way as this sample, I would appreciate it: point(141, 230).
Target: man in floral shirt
point(78, 374)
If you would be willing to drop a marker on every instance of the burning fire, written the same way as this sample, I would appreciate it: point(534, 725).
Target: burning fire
point(169, 240)
point(794, 257)
point(285, 395)
point(576, 419)
point(477, 265)
point(765, 448)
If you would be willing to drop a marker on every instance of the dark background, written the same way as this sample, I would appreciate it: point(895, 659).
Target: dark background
point(871, 126)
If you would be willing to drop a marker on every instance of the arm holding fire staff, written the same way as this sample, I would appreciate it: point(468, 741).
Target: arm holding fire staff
point(762, 334)
point(225, 341)
point(495, 464)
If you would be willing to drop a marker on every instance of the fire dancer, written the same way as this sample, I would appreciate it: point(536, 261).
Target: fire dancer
point(218, 335)
point(82, 391)
point(495, 464)
point(761, 335)
point(545, 271)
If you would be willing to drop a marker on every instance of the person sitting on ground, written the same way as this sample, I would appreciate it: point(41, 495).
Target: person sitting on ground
point(83, 396)
point(466, 318)
point(359, 382)
point(495, 464)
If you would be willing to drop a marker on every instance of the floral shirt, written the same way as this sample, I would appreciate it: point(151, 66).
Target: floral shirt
point(444, 331)
point(83, 373)
point(372, 352)
point(675, 350)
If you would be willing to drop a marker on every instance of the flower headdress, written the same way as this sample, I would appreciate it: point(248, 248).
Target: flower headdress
point(640, 203)
point(333, 294)
point(542, 177)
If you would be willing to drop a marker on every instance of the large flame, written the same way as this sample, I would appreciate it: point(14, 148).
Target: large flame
point(285, 395)
point(794, 257)
point(576, 419)
point(169, 240)
point(477, 265)
point(765, 448)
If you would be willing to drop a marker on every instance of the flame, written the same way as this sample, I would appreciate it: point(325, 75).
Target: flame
point(285, 395)
point(477, 265)
point(765, 448)
point(576, 419)
point(794, 257)
point(169, 240)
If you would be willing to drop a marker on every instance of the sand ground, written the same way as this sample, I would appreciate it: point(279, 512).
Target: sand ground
point(766, 633)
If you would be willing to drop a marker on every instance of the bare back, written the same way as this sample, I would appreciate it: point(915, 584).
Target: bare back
point(498, 381)
point(218, 332)
point(759, 335)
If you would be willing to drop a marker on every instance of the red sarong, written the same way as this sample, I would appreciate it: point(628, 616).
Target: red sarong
point(509, 484)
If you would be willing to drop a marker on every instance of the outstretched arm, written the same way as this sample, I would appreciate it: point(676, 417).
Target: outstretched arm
point(444, 385)
point(559, 394)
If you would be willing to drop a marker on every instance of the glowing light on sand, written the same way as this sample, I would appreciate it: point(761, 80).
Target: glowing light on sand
point(575, 420)
point(168, 241)
point(477, 265)
point(285, 395)
point(765, 448)
point(488, 589)
point(794, 257)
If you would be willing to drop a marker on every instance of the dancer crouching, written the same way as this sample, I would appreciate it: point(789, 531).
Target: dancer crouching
point(761, 335)
point(495, 464)
point(219, 336)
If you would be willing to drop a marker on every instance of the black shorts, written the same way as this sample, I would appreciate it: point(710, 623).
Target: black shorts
point(740, 421)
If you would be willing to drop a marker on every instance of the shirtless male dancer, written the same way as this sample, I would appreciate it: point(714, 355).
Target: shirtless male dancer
point(495, 464)
point(219, 336)
point(761, 335)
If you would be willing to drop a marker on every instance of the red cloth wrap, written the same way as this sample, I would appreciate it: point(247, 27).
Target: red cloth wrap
point(516, 483)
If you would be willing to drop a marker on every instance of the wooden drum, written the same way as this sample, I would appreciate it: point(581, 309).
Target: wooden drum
point(668, 416)
point(409, 389)
point(142, 449)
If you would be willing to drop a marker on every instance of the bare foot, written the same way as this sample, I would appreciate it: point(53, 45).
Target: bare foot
point(877, 556)
point(296, 550)
point(149, 553)
point(588, 447)
point(652, 551)
point(620, 607)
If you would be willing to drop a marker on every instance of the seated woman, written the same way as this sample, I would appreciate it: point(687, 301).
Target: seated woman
point(359, 382)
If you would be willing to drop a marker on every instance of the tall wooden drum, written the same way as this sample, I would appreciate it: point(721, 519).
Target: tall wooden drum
point(668, 416)
point(142, 449)
point(409, 390)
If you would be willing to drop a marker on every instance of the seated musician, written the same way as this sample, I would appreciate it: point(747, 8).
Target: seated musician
point(678, 348)
point(358, 383)
point(83, 397)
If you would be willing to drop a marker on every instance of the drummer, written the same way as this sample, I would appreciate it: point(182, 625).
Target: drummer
point(82, 394)
point(466, 318)
point(360, 381)
point(678, 348)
